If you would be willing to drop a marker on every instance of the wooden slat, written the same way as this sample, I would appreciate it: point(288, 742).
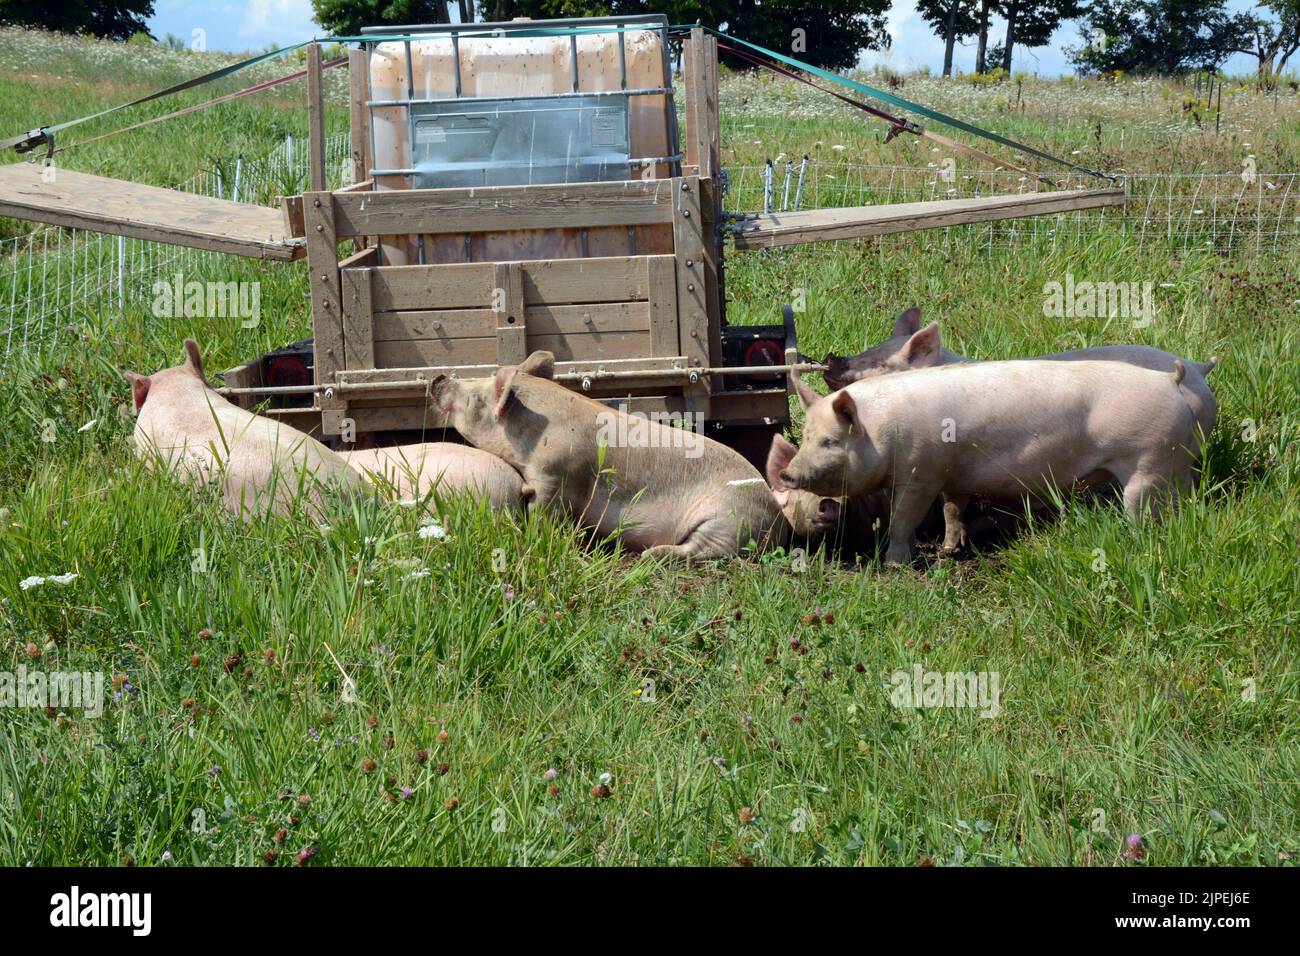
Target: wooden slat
point(380, 376)
point(824, 225)
point(508, 308)
point(360, 258)
point(711, 201)
point(545, 282)
point(663, 306)
point(358, 330)
point(458, 286)
point(315, 118)
point(359, 115)
point(692, 308)
point(632, 202)
point(291, 209)
point(562, 281)
point(590, 347)
point(122, 208)
point(326, 301)
point(435, 324)
point(540, 320)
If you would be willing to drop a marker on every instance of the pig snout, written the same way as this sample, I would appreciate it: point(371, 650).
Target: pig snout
point(828, 513)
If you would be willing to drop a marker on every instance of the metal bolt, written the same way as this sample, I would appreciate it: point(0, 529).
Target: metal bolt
point(694, 377)
point(690, 287)
point(316, 202)
point(435, 325)
point(329, 394)
point(588, 319)
point(586, 383)
point(686, 187)
point(689, 263)
point(686, 214)
point(320, 228)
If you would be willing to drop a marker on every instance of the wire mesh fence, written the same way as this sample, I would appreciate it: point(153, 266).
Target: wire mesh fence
point(52, 274)
point(1225, 213)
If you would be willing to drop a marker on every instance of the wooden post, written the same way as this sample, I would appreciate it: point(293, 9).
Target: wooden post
point(326, 304)
point(315, 118)
point(508, 307)
point(692, 292)
point(711, 193)
point(359, 115)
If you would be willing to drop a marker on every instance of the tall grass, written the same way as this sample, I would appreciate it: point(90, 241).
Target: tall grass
point(295, 675)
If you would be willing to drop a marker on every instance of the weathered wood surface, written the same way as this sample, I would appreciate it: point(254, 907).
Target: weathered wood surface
point(631, 202)
point(122, 208)
point(823, 225)
point(545, 282)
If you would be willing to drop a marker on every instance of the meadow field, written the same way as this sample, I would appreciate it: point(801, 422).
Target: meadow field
point(367, 691)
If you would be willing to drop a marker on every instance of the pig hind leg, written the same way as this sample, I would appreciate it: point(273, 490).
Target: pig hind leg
point(712, 538)
point(1154, 485)
point(954, 527)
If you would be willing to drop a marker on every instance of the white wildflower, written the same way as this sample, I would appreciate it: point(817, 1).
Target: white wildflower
point(432, 530)
point(88, 426)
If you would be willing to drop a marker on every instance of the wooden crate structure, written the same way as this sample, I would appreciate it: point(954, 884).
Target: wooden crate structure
point(640, 329)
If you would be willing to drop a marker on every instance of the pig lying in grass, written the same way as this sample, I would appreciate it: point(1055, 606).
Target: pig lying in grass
point(413, 471)
point(914, 347)
point(186, 427)
point(846, 521)
point(699, 501)
point(1000, 430)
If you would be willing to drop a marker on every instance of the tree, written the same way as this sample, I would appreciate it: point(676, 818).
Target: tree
point(830, 33)
point(110, 19)
point(347, 17)
point(1268, 40)
point(954, 20)
point(1166, 37)
point(982, 40)
point(1031, 23)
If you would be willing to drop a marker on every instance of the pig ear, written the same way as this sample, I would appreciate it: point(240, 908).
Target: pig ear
point(139, 387)
point(541, 364)
point(503, 389)
point(922, 349)
point(193, 358)
point(779, 456)
point(844, 406)
point(908, 322)
point(805, 391)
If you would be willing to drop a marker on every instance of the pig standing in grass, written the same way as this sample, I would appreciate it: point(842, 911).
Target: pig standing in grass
point(261, 464)
point(414, 471)
point(812, 517)
point(996, 429)
point(662, 491)
point(914, 347)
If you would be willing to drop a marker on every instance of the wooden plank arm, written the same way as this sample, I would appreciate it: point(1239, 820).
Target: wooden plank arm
point(823, 225)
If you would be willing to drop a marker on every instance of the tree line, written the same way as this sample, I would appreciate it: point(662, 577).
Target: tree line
point(1164, 37)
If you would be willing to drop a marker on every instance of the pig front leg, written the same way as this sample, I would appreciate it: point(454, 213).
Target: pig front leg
point(907, 510)
point(954, 527)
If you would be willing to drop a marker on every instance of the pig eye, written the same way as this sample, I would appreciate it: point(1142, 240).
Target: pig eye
point(829, 442)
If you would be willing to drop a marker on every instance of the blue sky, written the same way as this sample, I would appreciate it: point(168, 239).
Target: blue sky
point(255, 24)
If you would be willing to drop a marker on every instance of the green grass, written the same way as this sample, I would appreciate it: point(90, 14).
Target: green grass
point(1124, 702)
